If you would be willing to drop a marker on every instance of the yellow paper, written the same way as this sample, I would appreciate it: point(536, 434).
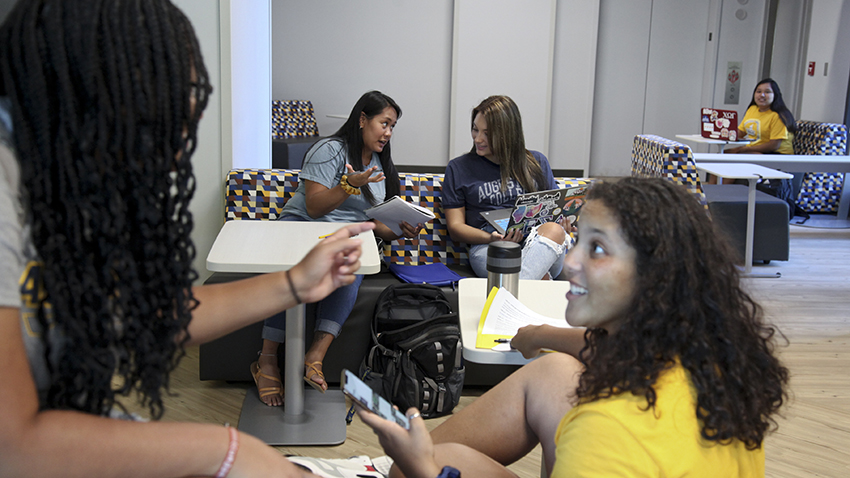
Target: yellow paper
point(488, 341)
point(503, 315)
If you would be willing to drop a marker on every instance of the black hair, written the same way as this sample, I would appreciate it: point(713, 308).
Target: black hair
point(371, 104)
point(105, 111)
point(778, 105)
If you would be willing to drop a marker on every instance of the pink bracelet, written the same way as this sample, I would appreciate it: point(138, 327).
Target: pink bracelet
point(230, 457)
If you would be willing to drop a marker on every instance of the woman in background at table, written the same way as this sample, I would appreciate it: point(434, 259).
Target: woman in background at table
point(674, 375)
point(768, 123)
point(490, 176)
point(99, 109)
point(341, 177)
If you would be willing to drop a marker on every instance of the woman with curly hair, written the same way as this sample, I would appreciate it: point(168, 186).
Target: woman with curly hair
point(668, 371)
point(99, 108)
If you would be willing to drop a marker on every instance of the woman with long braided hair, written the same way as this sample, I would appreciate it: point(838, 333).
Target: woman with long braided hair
point(99, 108)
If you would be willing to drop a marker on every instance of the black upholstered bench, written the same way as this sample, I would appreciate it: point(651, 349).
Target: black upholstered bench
point(728, 206)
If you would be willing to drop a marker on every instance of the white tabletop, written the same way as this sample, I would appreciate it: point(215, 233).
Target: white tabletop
point(271, 246)
point(787, 162)
point(544, 297)
point(698, 138)
point(742, 171)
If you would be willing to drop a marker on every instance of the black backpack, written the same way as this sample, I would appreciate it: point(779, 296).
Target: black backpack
point(416, 359)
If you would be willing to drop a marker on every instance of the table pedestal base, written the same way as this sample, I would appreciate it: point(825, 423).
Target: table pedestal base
point(322, 423)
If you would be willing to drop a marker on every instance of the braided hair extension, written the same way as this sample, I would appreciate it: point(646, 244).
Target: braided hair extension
point(689, 306)
point(106, 97)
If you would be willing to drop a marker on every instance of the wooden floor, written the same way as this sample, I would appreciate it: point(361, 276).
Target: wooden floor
point(810, 304)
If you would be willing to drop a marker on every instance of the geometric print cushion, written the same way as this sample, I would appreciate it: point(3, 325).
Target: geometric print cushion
point(258, 193)
point(657, 157)
point(820, 192)
point(293, 119)
point(434, 243)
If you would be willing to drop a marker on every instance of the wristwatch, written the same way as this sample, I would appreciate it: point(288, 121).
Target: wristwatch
point(449, 472)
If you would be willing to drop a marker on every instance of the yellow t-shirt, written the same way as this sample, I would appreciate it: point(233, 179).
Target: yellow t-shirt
point(761, 127)
point(618, 436)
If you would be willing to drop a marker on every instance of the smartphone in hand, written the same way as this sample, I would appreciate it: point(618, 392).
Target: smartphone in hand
point(355, 388)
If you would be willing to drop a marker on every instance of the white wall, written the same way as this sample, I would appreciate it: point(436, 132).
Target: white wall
point(208, 203)
point(573, 83)
point(787, 59)
point(622, 55)
point(824, 96)
point(502, 47)
point(740, 41)
point(331, 52)
point(250, 83)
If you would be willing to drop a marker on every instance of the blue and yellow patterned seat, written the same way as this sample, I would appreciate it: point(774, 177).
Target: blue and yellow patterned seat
point(256, 194)
point(293, 119)
point(820, 192)
point(657, 157)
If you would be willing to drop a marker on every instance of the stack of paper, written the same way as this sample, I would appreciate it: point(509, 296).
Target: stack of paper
point(395, 210)
point(503, 315)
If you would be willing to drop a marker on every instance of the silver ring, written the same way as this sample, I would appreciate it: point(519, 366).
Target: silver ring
point(415, 415)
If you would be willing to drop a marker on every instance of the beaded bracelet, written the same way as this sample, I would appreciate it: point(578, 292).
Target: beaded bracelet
point(292, 287)
point(230, 457)
point(348, 188)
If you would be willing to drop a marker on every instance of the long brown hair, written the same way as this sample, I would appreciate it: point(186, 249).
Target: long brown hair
point(507, 141)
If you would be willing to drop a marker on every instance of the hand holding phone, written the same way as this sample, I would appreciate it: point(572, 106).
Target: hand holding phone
point(358, 391)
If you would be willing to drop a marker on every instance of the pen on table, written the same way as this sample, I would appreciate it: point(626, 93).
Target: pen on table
point(332, 233)
point(502, 341)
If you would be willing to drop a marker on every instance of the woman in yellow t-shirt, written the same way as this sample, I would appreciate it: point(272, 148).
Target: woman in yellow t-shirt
point(668, 371)
point(767, 123)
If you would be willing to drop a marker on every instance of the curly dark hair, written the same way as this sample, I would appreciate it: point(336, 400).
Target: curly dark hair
point(689, 306)
point(105, 111)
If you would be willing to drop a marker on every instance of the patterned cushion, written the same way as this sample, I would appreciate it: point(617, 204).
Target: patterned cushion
point(258, 193)
point(657, 157)
point(261, 194)
point(433, 244)
point(820, 192)
point(293, 119)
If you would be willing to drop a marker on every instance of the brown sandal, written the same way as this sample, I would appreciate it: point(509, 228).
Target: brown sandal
point(265, 391)
point(310, 372)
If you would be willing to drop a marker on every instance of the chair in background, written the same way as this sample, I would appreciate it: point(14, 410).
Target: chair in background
point(655, 156)
point(294, 131)
point(820, 192)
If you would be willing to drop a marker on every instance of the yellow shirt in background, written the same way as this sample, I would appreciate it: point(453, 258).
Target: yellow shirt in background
point(618, 436)
point(761, 127)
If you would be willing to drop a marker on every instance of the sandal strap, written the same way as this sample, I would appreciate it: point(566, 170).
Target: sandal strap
point(268, 377)
point(311, 366)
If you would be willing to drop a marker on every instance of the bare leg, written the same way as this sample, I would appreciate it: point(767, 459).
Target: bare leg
point(269, 366)
point(314, 357)
point(509, 420)
point(553, 231)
